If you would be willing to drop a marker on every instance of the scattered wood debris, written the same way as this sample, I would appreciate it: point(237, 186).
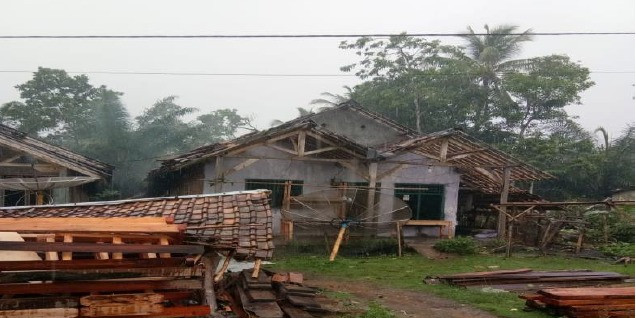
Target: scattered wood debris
point(273, 295)
point(526, 279)
point(584, 302)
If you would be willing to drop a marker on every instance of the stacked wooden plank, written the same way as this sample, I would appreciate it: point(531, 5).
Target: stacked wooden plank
point(584, 302)
point(238, 221)
point(272, 295)
point(527, 279)
point(99, 267)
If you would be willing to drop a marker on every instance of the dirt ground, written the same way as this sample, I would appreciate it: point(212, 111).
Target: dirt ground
point(403, 303)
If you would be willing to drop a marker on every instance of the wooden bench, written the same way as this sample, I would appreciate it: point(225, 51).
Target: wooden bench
point(443, 225)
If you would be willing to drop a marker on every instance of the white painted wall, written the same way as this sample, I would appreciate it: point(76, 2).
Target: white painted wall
point(317, 174)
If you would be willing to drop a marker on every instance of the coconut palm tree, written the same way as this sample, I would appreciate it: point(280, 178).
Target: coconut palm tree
point(301, 112)
point(330, 99)
point(492, 55)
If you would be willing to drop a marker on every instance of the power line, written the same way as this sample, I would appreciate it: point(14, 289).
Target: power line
point(294, 36)
point(272, 74)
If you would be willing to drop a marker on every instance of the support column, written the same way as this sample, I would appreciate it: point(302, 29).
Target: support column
point(218, 175)
point(373, 173)
point(501, 221)
point(62, 195)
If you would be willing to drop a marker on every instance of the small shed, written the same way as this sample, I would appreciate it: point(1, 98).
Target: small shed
point(35, 172)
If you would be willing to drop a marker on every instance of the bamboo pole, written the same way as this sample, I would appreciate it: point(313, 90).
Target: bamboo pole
point(336, 246)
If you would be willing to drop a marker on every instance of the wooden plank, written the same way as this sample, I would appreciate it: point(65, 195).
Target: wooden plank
point(41, 313)
point(66, 256)
point(429, 222)
point(164, 241)
point(100, 300)
point(39, 302)
point(122, 310)
point(589, 293)
point(83, 225)
point(92, 264)
point(121, 304)
point(188, 311)
point(98, 274)
point(483, 274)
point(98, 286)
point(109, 248)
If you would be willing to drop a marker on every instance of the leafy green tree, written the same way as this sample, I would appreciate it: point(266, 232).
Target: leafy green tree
point(221, 124)
point(541, 93)
point(54, 103)
point(414, 71)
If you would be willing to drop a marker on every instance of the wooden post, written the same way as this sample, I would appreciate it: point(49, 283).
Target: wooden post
point(226, 264)
point(398, 231)
point(579, 242)
point(39, 198)
point(287, 225)
point(218, 175)
point(209, 263)
point(501, 221)
point(509, 245)
point(336, 246)
point(443, 150)
point(373, 173)
point(301, 143)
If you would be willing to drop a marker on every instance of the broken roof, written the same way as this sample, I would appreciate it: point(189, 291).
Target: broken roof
point(482, 165)
point(240, 221)
point(19, 141)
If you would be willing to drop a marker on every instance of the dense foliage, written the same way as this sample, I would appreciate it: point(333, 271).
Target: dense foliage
point(517, 105)
point(70, 112)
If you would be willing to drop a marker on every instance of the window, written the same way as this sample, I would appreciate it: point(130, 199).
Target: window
point(277, 187)
point(425, 200)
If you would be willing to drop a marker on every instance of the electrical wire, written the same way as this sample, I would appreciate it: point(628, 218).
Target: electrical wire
point(293, 36)
point(297, 75)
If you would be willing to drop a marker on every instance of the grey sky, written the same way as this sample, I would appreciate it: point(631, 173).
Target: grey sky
point(610, 103)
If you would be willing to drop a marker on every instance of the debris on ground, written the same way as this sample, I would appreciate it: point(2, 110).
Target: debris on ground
point(526, 279)
point(273, 295)
point(584, 302)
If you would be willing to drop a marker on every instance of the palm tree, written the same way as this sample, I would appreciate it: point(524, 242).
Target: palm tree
point(301, 112)
point(605, 137)
point(330, 99)
point(491, 55)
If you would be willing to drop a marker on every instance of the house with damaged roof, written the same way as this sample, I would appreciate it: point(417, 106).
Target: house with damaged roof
point(439, 175)
point(33, 172)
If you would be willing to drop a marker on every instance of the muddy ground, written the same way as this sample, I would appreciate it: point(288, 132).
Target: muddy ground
point(403, 303)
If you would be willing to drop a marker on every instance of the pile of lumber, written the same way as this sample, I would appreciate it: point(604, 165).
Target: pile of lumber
point(527, 279)
point(237, 221)
point(273, 295)
point(100, 267)
point(584, 302)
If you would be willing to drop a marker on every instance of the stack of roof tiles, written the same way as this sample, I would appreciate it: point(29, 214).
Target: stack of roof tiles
point(241, 221)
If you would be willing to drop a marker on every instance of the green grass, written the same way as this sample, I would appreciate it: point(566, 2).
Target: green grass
point(407, 273)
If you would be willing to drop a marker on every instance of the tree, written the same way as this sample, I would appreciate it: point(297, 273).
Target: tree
point(330, 99)
point(301, 113)
point(221, 124)
point(541, 93)
point(407, 66)
point(491, 56)
point(54, 103)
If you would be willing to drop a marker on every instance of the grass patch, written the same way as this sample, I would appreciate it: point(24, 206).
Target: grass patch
point(377, 311)
point(407, 273)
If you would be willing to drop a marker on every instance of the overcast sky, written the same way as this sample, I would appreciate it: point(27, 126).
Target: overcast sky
point(609, 104)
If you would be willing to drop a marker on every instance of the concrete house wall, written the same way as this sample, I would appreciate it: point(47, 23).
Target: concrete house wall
point(318, 175)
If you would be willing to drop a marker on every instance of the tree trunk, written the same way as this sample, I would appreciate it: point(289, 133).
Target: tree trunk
point(418, 125)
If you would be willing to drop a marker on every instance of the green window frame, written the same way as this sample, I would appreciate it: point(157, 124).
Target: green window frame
point(425, 200)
